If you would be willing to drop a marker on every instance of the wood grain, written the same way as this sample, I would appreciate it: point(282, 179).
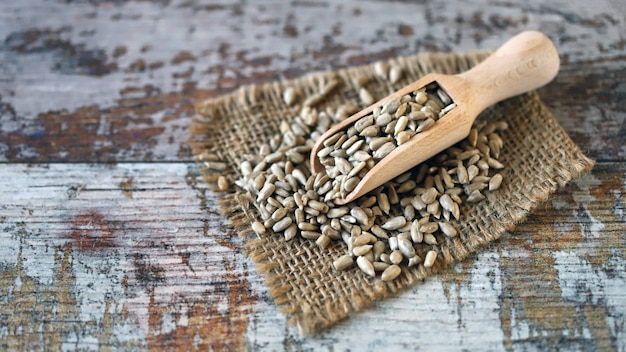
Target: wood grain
point(109, 240)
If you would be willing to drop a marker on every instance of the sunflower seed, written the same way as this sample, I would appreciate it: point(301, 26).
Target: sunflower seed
point(394, 223)
point(344, 262)
point(381, 68)
point(282, 224)
point(361, 250)
point(429, 196)
point(414, 261)
point(475, 196)
point(360, 215)
point(379, 232)
point(337, 212)
point(395, 73)
point(395, 257)
point(429, 261)
point(310, 235)
point(429, 238)
point(447, 229)
point(390, 273)
point(495, 164)
point(461, 173)
point(495, 182)
point(323, 241)
point(290, 232)
point(380, 266)
point(289, 96)
point(365, 96)
point(421, 97)
point(258, 227)
point(279, 214)
point(215, 165)
point(365, 266)
point(265, 192)
point(222, 183)
point(406, 247)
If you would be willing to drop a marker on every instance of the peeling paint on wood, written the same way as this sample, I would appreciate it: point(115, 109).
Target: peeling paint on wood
point(109, 239)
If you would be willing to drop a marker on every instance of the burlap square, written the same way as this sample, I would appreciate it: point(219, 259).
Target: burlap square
point(538, 154)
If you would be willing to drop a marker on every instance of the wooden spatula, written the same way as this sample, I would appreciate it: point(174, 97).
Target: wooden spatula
point(524, 63)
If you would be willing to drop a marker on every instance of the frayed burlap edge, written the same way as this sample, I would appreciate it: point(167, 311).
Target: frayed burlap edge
point(299, 275)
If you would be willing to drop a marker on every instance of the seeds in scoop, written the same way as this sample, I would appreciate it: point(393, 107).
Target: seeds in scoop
point(351, 184)
point(421, 97)
point(364, 122)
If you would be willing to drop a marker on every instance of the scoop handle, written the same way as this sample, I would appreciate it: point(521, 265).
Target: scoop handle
point(526, 62)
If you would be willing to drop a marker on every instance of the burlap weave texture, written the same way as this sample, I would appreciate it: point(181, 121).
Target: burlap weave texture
point(538, 154)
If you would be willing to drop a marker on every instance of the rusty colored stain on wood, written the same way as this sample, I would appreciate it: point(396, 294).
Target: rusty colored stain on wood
point(91, 232)
point(532, 288)
point(209, 326)
point(127, 187)
point(23, 313)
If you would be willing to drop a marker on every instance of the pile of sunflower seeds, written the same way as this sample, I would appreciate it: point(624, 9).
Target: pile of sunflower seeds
point(401, 223)
point(349, 154)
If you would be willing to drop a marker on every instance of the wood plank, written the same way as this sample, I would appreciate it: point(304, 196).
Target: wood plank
point(75, 86)
point(134, 256)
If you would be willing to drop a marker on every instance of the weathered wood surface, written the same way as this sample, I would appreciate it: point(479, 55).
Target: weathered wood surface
point(120, 245)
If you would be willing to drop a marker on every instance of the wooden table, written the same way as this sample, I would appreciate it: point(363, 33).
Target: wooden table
point(110, 240)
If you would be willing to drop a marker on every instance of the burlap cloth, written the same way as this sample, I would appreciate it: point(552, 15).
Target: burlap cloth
point(538, 154)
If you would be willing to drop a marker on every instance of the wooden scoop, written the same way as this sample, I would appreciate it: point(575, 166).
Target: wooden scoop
point(524, 63)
